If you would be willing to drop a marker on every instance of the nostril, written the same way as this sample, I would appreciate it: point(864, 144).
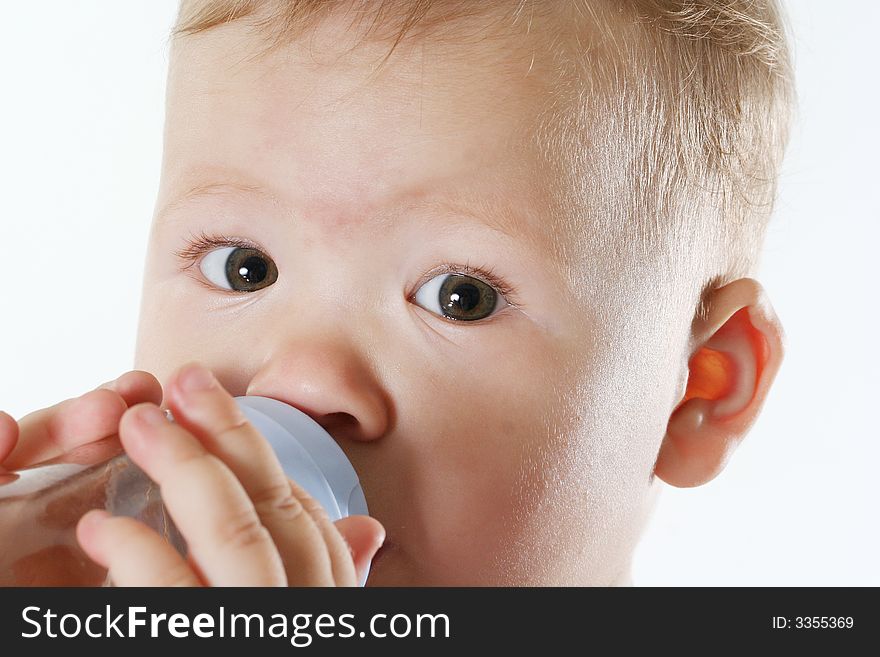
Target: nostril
point(335, 421)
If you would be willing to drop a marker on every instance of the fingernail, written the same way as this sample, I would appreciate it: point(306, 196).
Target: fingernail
point(96, 516)
point(152, 416)
point(380, 539)
point(196, 378)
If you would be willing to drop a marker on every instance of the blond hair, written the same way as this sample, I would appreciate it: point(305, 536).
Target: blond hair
point(686, 102)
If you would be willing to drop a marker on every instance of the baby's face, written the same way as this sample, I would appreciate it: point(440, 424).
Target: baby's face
point(499, 439)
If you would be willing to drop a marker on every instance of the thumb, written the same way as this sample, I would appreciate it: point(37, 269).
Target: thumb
point(364, 535)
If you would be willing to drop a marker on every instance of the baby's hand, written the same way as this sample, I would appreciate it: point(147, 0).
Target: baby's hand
point(50, 432)
point(245, 522)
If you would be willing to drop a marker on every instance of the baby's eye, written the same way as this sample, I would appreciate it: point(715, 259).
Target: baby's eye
point(239, 269)
point(460, 297)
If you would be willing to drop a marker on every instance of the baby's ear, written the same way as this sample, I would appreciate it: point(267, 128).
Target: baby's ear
point(740, 348)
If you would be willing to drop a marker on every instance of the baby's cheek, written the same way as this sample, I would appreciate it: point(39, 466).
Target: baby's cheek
point(544, 492)
point(529, 485)
point(497, 492)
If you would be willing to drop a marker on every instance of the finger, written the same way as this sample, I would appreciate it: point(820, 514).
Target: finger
point(133, 553)
point(135, 387)
point(341, 563)
point(351, 541)
point(212, 416)
point(49, 432)
point(8, 435)
point(364, 535)
point(207, 503)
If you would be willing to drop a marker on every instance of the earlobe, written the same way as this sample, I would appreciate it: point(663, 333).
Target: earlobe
point(740, 350)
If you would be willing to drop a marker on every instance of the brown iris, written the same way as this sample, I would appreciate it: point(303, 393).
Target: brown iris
point(250, 270)
point(465, 298)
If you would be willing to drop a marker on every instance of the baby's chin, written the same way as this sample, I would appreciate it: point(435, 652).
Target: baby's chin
point(391, 567)
point(388, 569)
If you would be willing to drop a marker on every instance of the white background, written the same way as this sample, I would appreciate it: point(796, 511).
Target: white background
point(80, 145)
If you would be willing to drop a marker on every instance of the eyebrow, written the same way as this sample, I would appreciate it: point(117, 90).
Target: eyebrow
point(211, 189)
point(490, 211)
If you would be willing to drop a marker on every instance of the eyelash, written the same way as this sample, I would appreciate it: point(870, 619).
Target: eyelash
point(203, 242)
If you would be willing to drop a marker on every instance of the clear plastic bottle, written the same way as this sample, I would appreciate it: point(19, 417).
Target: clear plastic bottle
point(40, 508)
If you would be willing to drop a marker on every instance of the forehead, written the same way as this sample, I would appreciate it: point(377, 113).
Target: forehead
point(320, 124)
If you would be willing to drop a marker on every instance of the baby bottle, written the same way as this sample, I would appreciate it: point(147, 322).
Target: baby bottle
point(39, 509)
